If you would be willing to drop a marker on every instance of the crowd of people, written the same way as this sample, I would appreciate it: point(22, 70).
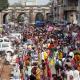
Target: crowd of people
point(51, 52)
point(58, 51)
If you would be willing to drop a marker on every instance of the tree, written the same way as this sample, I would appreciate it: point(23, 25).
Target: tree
point(3, 4)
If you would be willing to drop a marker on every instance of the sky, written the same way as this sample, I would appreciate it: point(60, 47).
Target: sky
point(38, 2)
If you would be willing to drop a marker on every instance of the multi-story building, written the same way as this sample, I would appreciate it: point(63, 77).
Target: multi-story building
point(57, 9)
point(66, 10)
point(70, 10)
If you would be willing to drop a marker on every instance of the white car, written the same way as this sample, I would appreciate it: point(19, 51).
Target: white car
point(6, 47)
point(4, 39)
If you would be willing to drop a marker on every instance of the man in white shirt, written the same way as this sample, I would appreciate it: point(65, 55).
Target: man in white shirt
point(42, 56)
point(76, 74)
point(69, 73)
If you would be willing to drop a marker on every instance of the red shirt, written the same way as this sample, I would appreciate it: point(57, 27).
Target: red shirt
point(17, 60)
point(48, 72)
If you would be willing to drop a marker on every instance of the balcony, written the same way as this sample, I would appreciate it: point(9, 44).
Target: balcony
point(70, 8)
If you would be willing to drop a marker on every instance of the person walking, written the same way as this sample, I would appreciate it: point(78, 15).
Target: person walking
point(38, 73)
point(76, 74)
point(33, 74)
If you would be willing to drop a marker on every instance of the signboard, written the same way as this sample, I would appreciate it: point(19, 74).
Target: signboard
point(39, 23)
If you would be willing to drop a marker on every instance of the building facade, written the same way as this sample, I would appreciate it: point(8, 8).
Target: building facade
point(68, 10)
point(28, 12)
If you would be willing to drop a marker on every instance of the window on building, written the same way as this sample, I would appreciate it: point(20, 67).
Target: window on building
point(60, 2)
point(72, 2)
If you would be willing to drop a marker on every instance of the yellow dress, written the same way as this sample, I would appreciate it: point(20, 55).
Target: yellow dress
point(38, 74)
point(60, 55)
point(45, 55)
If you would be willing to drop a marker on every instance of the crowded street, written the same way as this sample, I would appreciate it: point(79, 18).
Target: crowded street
point(43, 53)
point(38, 48)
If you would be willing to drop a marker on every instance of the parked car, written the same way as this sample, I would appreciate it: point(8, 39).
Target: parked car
point(6, 46)
point(4, 39)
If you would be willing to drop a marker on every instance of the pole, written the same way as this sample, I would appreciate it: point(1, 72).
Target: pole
point(0, 18)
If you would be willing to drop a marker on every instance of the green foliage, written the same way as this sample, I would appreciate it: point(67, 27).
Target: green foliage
point(3, 4)
point(20, 19)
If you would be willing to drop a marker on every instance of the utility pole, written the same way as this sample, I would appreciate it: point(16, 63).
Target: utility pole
point(25, 2)
point(54, 9)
